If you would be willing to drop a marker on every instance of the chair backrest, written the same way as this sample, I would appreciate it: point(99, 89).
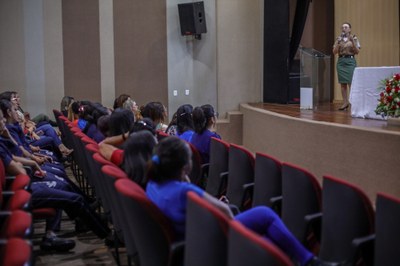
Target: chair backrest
point(196, 174)
point(241, 172)
point(219, 159)
point(15, 252)
point(347, 215)
point(152, 231)
point(110, 174)
point(387, 230)
point(246, 247)
point(121, 223)
point(206, 233)
point(301, 194)
point(267, 180)
point(100, 180)
point(17, 223)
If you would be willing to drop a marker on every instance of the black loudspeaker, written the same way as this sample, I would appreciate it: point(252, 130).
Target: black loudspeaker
point(192, 18)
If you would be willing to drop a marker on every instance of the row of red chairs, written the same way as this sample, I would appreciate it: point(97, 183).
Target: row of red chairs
point(337, 222)
point(145, 230)
point(15, 220)
point(347, 216)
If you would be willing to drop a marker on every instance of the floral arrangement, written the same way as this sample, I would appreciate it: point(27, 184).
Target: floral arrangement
point(389, 98)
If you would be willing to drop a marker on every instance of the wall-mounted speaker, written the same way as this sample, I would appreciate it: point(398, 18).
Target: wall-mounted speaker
point(192, 18)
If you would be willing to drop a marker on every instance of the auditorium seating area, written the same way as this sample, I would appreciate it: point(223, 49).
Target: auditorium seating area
point(335, 220)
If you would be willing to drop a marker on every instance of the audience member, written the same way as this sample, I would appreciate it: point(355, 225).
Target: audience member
point(168, 186)
point(204, 120)
point(157, 112)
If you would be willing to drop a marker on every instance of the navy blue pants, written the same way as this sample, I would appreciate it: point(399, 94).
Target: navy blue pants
point(46, 195)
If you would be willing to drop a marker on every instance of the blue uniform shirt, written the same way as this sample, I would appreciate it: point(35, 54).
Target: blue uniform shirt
point(170, 197)
point(202, 143)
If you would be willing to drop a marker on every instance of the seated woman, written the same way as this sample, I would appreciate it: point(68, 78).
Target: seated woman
point(168, 186)
point(112, 148)
point(42, 134)
point(157, 112)
point(66, 101)
point(137, 152)
point(181, 124)
point(91, 114)
point(51, 194)
point(204, 119)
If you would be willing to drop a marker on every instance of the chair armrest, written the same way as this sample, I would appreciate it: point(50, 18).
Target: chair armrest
point(222, 183)
point(203, 175)
point(275, 200)
point(247, 199)
point(248, 188)
point(177, 253)
point(204, 169)
point(7, 195)
point(4, 215)
point(276, 204)
point(365, 240)
point(314, 222)
point(235, 210)
point(365, 247)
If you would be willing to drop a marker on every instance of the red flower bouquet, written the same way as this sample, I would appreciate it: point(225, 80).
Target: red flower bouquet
point(389, 98)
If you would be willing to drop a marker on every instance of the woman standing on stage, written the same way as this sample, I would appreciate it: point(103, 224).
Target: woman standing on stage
point(346, 46)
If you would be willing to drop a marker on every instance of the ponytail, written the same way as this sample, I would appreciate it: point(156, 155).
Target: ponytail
point(199, 120)
point(169, 157)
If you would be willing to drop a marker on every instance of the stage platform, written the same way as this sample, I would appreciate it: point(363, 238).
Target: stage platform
point(327, 141)
point(326, 113)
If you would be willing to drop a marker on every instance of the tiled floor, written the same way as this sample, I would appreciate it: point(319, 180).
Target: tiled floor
point(89, 249)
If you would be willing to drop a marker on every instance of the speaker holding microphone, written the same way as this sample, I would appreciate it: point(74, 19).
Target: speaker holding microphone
point(192, 18)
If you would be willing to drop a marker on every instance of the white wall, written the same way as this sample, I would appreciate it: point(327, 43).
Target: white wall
point(240, 38)
point(191, 62)
point(224, 68)
point(12, 50)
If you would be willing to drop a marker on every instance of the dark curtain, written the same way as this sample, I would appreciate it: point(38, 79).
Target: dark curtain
point(298, 27)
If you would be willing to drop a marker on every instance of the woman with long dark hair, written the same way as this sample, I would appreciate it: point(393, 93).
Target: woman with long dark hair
point(204, 119)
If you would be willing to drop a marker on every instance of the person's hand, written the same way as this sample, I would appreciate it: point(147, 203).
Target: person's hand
point(39, 160)
point(224, 199)
point(40, 173)
point(35, 136)
point(34, 148)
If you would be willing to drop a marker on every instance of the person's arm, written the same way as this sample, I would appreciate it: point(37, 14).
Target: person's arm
point(6, 134)
point(336, 46)
point(354, 40)
point(106, 150)
point(116, 140)
point(15, 168)
point(29, 155)
point(27, 162)
point(218, 204)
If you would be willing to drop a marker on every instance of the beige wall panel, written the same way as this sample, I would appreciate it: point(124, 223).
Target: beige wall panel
point(53, 54)
point(376, 23)
point(12, 51)
point(81, 43)
point(239, 53)
point(107, 52)
point(140, 45)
